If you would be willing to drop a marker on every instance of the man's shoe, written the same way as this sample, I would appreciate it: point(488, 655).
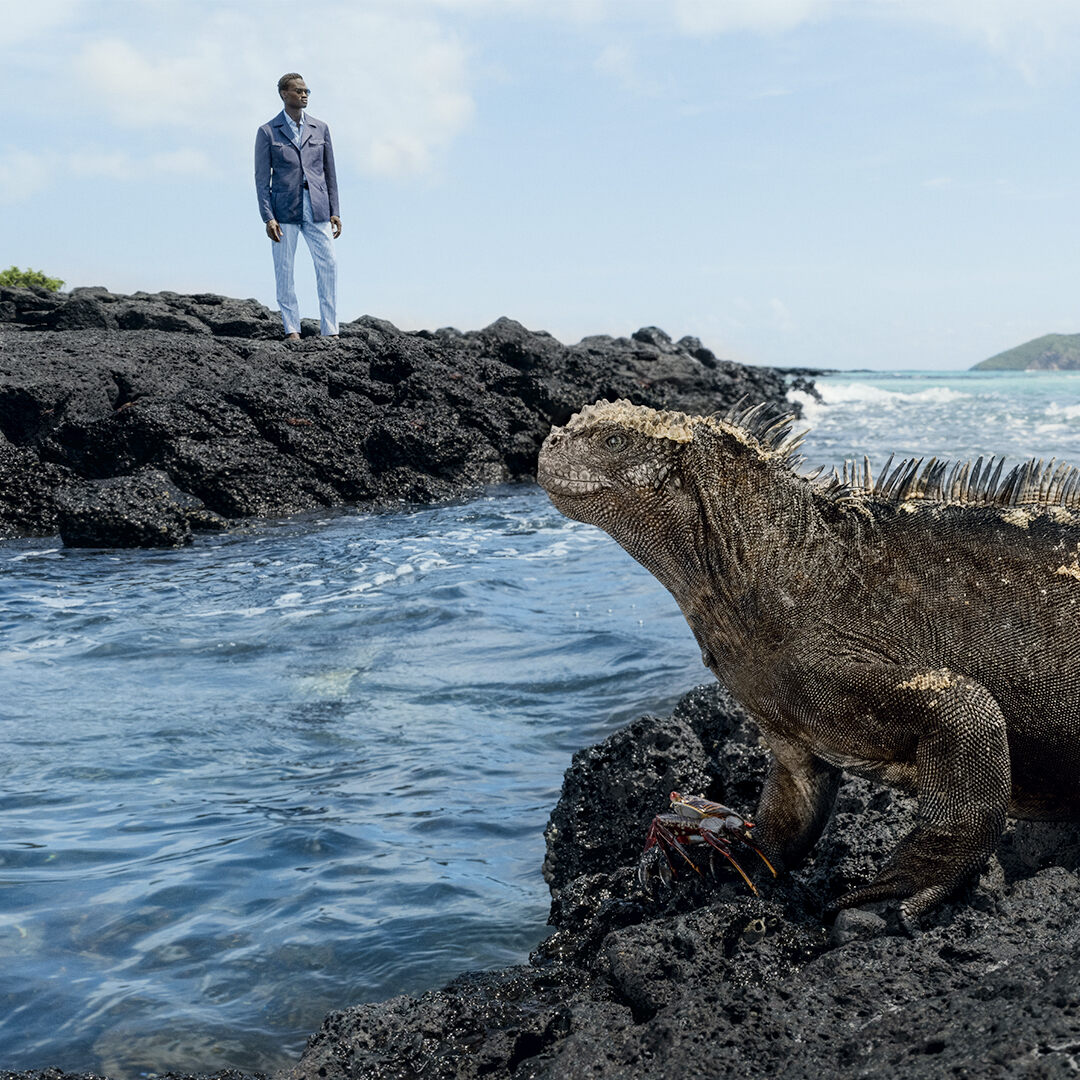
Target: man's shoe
point(292, 337)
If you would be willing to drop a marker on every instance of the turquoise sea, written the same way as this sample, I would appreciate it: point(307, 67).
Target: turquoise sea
point(953, 415)
point(308, 763)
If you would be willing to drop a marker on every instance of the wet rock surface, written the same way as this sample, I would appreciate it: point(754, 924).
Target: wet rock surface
point(703, 978)
point(142, 509)
point(201, 392)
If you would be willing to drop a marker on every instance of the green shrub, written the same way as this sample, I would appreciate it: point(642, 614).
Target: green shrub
point(15, 278)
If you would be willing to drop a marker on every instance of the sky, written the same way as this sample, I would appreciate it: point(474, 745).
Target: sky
point(826, 183)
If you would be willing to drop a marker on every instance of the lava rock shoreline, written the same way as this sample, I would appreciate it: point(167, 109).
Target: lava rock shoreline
point(705, 979)
point(132, 421)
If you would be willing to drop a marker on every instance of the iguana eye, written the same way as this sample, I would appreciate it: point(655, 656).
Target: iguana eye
point(615, 442)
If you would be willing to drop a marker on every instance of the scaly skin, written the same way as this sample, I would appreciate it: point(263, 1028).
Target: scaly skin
point(923, 632)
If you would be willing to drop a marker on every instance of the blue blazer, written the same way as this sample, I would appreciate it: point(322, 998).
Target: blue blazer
point(281, 169)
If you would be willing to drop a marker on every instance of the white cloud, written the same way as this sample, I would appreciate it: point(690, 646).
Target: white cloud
point(392, 82)
point(25, 22)
point(617, 61)
point(395, 155)
point(405, 101)
point(140, 87)
point(23, 174)
point(121, 165)
point(780, 313)
point(186, 160)
point(190, 82)
point(111, 164)
point(1028, 33)
point(620, 63)
point(569, 10)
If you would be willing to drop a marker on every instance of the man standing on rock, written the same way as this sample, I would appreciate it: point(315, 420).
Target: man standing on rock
point(297, 189)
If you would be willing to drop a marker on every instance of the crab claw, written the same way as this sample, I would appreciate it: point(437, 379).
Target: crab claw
point(653, 865)
point(660, 842)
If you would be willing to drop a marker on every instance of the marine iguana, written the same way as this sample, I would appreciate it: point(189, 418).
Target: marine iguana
point(922, 630)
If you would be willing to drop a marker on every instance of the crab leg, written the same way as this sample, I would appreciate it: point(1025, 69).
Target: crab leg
point(761, 854)
point(697, 820)
point(717, 845)
point(670, 841)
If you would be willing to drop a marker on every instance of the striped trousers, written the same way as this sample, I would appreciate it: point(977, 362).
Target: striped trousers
point(320, 241)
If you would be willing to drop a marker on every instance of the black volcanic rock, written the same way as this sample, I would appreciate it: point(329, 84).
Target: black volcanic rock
point(200, 389)
point(706, 979)
point(142, 509)
point(81, 313)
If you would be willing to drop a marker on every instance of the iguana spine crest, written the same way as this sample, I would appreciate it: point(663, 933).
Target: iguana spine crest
point(1034, 483)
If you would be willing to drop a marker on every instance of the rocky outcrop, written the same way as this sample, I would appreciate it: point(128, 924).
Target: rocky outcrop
point(95, 308)
point(142, 509)
point(705, 979)
point(200, 394)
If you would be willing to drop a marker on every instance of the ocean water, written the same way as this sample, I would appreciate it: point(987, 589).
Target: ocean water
point(955, 415)
point(308, 763)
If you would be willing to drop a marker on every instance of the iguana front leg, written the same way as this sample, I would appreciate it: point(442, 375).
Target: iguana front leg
point(795, 805)
point(952, 733)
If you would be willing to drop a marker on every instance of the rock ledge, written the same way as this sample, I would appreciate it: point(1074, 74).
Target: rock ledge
point(706, 979)
point(132, 420)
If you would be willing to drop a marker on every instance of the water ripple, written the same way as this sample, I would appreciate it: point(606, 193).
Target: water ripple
point(295, 766)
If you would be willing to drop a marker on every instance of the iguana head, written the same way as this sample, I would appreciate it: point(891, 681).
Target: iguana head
point(611, 459)
point(622, 467)
point(657, 482)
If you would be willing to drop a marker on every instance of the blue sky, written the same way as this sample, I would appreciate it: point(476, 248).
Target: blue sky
point(841, 183)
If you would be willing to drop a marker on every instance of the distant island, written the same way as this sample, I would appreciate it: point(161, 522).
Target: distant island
point(1051, 352)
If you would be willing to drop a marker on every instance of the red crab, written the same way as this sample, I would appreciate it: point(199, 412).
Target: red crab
point(695, 821)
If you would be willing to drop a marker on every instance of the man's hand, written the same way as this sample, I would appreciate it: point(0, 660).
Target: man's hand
point(336, 223)
point(273, 230)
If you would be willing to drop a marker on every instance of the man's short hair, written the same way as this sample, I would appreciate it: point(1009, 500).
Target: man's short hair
point(283, 82)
